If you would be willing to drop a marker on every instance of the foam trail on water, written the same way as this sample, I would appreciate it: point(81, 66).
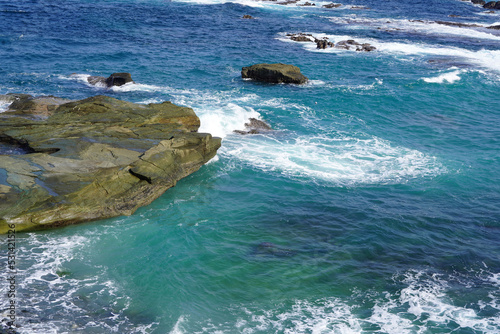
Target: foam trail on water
point(415, 26)
point(341, 160)
point(421, 305)
point(488, 59)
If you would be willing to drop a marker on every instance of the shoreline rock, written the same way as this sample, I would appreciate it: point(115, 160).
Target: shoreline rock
point(93, 159)
point(274, 73)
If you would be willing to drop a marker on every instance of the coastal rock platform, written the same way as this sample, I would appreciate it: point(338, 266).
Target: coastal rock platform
point(91, 159)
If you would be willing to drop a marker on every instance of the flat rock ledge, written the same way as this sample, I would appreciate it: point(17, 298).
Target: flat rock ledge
point(274, 73)
point(92, 159)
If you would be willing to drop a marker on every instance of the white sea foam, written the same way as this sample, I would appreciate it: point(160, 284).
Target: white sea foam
point(249, 3)
point(340, 160)
point(449, 77)
point(43, 279)
point(487, 59)
point(221, 121)
point(422, 305)
point(4, 105)
point(416, 27)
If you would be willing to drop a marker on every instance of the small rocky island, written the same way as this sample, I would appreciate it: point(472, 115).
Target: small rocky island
point(274, 73)
point(65, 162)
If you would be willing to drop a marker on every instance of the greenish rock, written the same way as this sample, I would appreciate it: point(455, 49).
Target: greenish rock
point(274, 73)
point(92, 159)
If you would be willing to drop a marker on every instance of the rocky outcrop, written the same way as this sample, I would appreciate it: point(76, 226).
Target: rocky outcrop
point(478, 2)
point(254, 126)
point(355, 46)
point(274, 73)
point(249, 17)
point(332, 5)
point(325, 43)
point(115, 79)
point(93, 159)
point(301, 37)
point(497, 27)
point(492, 5)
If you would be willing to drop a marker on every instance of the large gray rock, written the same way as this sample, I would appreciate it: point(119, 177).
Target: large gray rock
point(92, 159)
point(274, 73)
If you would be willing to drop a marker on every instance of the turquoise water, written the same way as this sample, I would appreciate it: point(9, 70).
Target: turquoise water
point(372, 208)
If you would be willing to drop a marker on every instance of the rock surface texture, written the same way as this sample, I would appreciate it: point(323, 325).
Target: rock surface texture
point(274, 73)
point(92, 159)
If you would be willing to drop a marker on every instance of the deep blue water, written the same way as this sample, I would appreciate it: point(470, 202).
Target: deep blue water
point(374, 206)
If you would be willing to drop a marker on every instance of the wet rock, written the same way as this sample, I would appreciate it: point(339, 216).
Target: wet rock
point(355, 46)
point(118, 79)
point(478, 2)
point(95, 158)
point(323, 43)
point(492, 5)
point(301, 38)
point(494, 27)
point(458, 24)
point(274, 73)
point(250, 17)
point(332, 5)
point(115, 79)
point(254, 126)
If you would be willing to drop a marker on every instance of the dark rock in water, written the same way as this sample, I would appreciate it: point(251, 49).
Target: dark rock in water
point(332, 5)
point(323, 44)
point(289, 2)
point(250, 17)
point(492, 5)
point(353, 45)
point(118, 79)
point(301, 38)
point(494, 27)
point(254, 126)
point(93, 159)
point(270, 249)
point(274, 73)
point(307, 3)
point(478, 2)
point(458, 24)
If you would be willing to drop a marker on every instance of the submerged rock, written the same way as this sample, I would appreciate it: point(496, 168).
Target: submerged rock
point(254, 126)
point(246, 16)
point(274, 73)
point(95, 158)
point(270, 249)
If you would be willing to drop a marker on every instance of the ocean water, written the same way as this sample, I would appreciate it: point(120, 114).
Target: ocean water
point(373, 206)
